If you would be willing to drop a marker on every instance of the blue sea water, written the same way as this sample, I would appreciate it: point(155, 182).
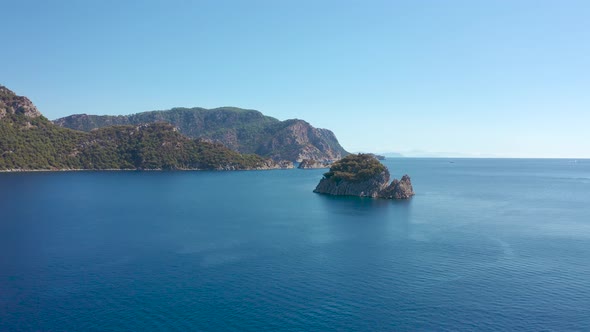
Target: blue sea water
point(486, 245)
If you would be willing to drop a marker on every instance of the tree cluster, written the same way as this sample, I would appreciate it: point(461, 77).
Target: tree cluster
point(355, 168)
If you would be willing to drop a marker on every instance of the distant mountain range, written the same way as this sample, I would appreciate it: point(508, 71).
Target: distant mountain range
point(28, 141)
point(392, 155)
point(242, 130)
point(430, 154)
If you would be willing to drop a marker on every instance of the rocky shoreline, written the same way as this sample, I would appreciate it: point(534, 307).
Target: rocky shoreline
point(137, 170)
point(312, 164)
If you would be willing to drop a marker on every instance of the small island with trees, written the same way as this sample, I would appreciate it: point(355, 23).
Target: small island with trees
point(363, 175)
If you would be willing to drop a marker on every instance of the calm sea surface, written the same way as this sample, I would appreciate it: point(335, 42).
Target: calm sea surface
point(487, 245)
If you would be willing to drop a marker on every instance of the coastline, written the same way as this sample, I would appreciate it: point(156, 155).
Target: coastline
point(136, 170)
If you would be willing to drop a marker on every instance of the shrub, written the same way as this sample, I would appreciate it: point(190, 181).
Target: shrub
point(355, 168)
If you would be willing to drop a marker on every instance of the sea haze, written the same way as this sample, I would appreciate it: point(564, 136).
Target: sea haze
point(486, 244)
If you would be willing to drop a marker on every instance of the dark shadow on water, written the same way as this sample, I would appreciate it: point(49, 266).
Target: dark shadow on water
point(363, 206)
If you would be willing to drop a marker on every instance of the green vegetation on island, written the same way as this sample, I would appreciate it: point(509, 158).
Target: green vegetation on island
point(355, 168)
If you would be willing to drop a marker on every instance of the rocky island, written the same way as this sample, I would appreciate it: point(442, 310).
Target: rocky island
point(363, 175)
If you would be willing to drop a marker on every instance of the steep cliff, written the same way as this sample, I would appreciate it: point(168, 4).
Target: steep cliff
point(401, 189)
point(245, 131)
point(363, 175)
point(297, 140)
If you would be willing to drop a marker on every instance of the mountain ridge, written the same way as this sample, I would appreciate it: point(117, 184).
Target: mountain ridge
point(29, 141)
point(242, 130)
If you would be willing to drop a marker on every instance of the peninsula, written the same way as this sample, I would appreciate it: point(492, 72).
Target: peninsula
point(29, 141)
point(241, 130)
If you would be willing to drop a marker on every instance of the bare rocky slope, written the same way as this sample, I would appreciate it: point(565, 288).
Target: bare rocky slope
point(242, 130)
point(11, 104)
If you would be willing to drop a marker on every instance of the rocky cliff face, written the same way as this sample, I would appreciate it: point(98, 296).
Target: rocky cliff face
point(371, 187)
point(245, 131)
point(10, 103)
point(401, 189)
point(272, 164)
point(297, 140)
point(362, 175)
point(376, 187)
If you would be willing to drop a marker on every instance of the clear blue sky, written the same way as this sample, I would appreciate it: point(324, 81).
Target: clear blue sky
point(504, 77)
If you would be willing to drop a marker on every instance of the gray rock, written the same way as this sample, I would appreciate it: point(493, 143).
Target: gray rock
point(10, 103)
point(368, 188)
point(401, 189)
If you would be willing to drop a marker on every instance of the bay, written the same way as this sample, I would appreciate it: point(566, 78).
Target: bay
point(486, 244)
